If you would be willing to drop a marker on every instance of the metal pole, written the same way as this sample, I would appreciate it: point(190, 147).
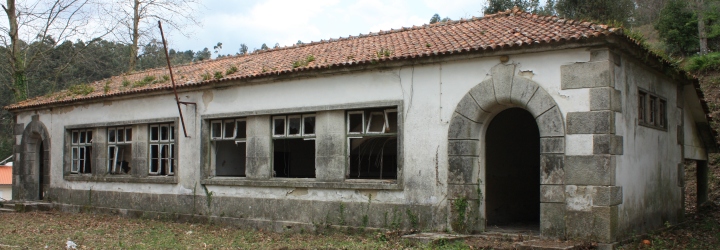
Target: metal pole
point(172, 79)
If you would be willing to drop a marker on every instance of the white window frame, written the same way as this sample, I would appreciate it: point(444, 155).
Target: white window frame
point(243, 139)
point(302, 120)
point(284, 118)
point(224, 129)
point(77, 146)
point(387, 120)
point(374, 113)
point(287, 126)
point(362, 115)
point(112, 166)
point(160, 143)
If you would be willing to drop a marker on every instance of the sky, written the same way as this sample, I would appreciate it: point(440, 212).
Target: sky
point(255, 22)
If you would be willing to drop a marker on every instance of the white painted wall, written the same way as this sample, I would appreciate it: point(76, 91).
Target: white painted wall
point(6, 192)
point(648, 169)
point(429, 93)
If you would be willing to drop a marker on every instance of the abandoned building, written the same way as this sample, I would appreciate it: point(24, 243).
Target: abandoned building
point(570, 129)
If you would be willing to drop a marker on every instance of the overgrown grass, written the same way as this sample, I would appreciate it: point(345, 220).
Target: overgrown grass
point(37, 230)
point(704, 63)
point(81, 89)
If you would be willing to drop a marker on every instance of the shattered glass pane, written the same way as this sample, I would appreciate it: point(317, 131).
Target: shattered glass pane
point(355, 123)
point(294, 126)
point(376, 122)
point(279, 127)
point(309, 125)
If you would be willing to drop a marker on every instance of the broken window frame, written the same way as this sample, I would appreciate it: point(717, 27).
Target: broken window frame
point(223, 123)
point(274, 126)
point(362, 126)
point(288, 124)
point(81, 151)
point(115, 145)
point(286, 118)
point(306, 116)
point(366, 134)
point(160, 144)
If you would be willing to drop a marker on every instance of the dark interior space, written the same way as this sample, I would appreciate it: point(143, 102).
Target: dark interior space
point(294, 158)
point(44, 171)
point(512, 181)
point(373, 157)
point(230, 158)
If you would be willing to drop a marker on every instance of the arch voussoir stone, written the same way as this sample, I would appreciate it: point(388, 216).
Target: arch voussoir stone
point(551, 123)
point(502, 77)
point(522, 90)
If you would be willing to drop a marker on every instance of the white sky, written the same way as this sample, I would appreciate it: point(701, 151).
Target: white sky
point(255, 22)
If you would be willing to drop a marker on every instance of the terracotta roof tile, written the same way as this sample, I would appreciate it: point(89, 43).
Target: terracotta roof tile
point(5, 175)
point(510, 28)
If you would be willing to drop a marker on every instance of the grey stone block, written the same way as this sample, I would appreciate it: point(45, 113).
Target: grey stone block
point(502, 76)
point(552, 168)
point(469, 192)
point(484, 95)
point(579, 224)
point(552, 193)
point(258, 167)
point(540, 102)
point(596, 122)
point(551, 123)
point(607, 196)
point(681, 175)
point(608, 144)
point(680, 135)
point(599, 55)
point(552, 220)
point(463, 128)
point(470, 109)
point(330, 168)
point(586, 75)
point(552, 145)
point(605, 223)
point(463, 147)
point(590, 170)
point(19, 129)
point(605, 98)
point(522, 90)
point(461, 169)
point(607, 246)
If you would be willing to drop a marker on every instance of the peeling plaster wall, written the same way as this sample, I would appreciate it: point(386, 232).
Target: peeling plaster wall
point(648, 168)
point(429, 94)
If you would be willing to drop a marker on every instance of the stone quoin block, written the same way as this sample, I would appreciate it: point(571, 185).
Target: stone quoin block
point(590, 170)
point(596, 122)
point(579, 224)
point(607, 196)
point(461, 169)
point(605, 98)
point(552, 193)
point(605, 223)
point(608, 144)
point(586, 75)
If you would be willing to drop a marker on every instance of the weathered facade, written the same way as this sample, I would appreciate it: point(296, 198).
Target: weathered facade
point(568, 128)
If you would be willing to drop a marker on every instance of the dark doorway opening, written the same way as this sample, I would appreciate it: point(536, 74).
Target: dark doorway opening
point(512, 171)
point(44, 171)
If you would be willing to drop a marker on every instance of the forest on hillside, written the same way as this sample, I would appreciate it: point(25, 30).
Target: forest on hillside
point(62, 54)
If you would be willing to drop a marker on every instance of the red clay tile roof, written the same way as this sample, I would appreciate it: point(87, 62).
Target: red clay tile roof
point(5, 175)
point(507, 29)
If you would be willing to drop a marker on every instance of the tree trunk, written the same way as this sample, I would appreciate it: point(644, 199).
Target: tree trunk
point(17, 64)
point(702, 34)
point(135, 35)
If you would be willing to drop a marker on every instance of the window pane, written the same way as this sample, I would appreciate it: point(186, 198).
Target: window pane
point(154, 151)
point(121, 135)
point(241, 129)
point(82, 153)
point(89, 137)
point(309, 125)
point(164, 151)
point(641, 107)
point(172, 132)
point(75, 137)
point(230, 158)
point(111, 135)
point(376, 122)
point(75, 153)
point(164, 133)
point(652, 110)
point(216, 128)
point(279, 127)
point(391, 118)
point(128, 135)
point(154, 133)
point(153, 165)
point(82, 136)
point(373, 158)
point(229, 129)
point(661, 113)
point(75, 166)
point(355, 123)
point(294, 158)
point(294, 126)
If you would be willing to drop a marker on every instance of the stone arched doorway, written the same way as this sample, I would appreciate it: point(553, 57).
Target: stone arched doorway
point(33, 168)
point(467, 173)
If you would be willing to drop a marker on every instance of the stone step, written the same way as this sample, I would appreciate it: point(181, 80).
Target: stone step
point(7, 210)
point(434, 238)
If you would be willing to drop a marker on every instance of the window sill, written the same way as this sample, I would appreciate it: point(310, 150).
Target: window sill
point(123, 179)
point(304, 183)
point(647, 125)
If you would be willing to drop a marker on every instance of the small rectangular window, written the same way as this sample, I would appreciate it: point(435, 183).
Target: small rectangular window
point(154, 133)
point(241, 126)
point(308, 125)
point(642, 99)
point(119, 150)
point(662, 113)
point(229, 150)
point(391, 118)
point(294, 123)
point(121, 135)
point(229, 131)
point(279, 126)
point(653, 110)
point(356, 122)
point(376, 123)
point(75, 137)
point(162, 152)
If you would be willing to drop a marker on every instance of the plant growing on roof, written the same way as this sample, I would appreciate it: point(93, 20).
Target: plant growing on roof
point(384, 52)
point(81, 89)
point(231, 70)
point(303, 62)
point(218, 75)
point(206, 76)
